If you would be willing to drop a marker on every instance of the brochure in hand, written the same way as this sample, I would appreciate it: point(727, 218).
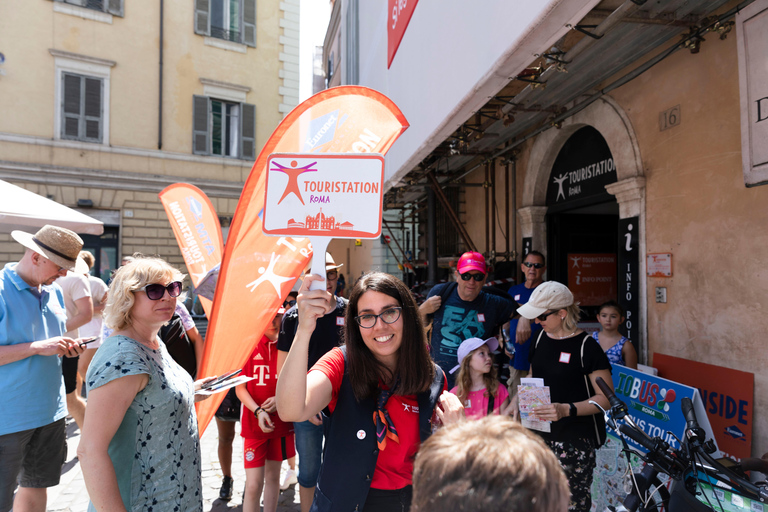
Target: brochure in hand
point(533, 393)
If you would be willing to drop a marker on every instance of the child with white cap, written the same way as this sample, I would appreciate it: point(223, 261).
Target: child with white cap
point(477, 386)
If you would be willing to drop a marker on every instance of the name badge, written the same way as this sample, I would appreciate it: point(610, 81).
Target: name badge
point(565, 357)
point(480, 317)
point(339, 320)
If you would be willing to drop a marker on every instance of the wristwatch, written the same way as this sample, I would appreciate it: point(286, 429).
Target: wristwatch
point(573, 410)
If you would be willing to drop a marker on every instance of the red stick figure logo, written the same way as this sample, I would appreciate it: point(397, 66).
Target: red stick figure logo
point(293, 175)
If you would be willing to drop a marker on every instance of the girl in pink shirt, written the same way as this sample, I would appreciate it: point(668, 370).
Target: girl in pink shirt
point(477, 385)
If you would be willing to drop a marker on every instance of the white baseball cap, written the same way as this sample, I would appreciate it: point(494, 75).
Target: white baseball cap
point(549, 295)
point(467, 346)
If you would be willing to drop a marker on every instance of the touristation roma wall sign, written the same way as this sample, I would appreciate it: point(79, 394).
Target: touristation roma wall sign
point(324, 195)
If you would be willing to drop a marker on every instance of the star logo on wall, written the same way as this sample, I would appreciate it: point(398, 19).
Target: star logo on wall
point(293, 173)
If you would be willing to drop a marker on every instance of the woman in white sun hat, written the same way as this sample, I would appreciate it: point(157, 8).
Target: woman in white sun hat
point(569, 361)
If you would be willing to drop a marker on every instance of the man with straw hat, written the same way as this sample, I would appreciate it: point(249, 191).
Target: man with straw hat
point(32, 321)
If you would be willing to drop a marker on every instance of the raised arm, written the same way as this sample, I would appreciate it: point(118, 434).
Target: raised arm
point(301, 396)
point(84, 313)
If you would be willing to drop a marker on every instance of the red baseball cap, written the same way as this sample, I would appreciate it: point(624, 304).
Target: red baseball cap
point(471, 261)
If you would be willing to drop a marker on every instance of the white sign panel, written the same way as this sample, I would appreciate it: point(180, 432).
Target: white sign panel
point(752, 34)
point(324, 195)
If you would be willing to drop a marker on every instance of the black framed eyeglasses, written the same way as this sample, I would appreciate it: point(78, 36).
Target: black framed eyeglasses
point(466, 276)
point(544, 316)
point(332, 275)
point(388, 316)
point(156, 291)
point(528, 264)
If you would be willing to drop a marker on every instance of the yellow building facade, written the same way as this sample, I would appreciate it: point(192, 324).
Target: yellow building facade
point(106, 102)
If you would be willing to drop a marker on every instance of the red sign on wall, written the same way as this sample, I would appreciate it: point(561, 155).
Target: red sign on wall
point(399, 15)
point(592, 278)
point(727, 395)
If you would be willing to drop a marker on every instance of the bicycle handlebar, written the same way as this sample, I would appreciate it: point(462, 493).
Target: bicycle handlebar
point(608, 392)
point(638, 437)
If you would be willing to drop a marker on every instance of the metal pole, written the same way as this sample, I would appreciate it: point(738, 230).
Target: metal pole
point(160, 83)
point(451, 213)
point(431, 238)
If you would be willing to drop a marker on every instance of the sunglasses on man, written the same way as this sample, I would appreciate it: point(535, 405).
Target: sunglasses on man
point(467, 276)
point(528, 264)
point(156, 291)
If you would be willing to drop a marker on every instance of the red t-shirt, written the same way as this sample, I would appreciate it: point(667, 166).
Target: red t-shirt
point(394, 466)
point(262, 364)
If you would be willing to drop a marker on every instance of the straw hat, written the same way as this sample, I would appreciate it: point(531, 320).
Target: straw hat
point(59, 245)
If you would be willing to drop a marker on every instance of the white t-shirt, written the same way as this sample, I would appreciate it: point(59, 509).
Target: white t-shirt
point(93, 328)
point(75, 287)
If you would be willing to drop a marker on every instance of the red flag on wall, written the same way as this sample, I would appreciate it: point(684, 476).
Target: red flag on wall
point(197, 229)
point(258, 271)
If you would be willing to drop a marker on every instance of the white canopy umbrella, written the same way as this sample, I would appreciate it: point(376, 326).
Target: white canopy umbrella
point(25, 210)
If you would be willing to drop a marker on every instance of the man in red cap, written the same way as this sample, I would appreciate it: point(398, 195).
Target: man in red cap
point(467, 311)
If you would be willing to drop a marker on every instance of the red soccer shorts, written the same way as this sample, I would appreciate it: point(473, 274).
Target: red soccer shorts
point(256, 451)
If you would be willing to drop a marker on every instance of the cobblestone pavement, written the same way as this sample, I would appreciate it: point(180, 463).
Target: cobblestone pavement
point(70, 495)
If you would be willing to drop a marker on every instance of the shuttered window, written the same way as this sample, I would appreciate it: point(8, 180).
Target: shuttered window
point(231, 20)
point(82, 107)
point(114, 7)
point(223, 128)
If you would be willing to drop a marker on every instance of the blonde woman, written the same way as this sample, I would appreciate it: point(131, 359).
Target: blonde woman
point(140, 448)
point(569, 361)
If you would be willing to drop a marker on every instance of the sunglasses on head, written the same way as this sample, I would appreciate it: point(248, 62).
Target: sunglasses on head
point(156, 291)
point(544, 316)
point(467, 276)
point(528, 264)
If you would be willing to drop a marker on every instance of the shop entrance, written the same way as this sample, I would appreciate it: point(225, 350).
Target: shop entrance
point(583, 223)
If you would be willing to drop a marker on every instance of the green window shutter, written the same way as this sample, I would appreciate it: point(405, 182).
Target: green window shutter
point(200, 125)
point(249, 22)
point(93, 110)
point(115, 7)
point(70, 106)
point(203, 17)
point(248, 131)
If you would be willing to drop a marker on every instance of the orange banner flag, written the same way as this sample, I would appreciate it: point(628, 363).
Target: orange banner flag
point(197, 229)
point(258, 271)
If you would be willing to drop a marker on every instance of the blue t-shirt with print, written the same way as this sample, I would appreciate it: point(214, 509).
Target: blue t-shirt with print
point(458, 320)
point(522, 295)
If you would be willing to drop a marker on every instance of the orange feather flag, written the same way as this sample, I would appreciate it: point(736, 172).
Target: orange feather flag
point(258, 271)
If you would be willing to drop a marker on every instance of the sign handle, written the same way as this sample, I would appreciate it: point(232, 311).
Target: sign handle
point(319, 247)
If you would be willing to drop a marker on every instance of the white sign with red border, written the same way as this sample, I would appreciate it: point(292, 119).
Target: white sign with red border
point(324, 195)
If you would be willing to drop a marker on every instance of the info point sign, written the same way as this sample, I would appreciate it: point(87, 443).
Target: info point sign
point(324, 195)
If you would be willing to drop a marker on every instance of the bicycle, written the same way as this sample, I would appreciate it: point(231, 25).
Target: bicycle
point(699, 483)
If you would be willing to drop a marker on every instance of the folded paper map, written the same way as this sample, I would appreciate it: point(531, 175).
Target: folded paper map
point(533, 393)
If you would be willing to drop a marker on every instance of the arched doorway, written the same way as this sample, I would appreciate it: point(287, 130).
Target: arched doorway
point(536, 217)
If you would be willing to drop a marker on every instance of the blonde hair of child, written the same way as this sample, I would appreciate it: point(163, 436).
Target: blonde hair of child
point(464, 380)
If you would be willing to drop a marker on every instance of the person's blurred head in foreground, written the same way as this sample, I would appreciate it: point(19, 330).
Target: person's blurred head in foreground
point(488, 465)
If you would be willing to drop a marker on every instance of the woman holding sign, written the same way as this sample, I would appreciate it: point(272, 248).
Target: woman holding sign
point(569, 360)
point(378, 394)
point(140, 448)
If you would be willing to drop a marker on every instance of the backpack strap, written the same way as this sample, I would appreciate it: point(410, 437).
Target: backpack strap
point(489, 412)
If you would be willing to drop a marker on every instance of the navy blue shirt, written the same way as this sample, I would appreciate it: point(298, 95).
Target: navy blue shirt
point(522, 295)
point(458, 320)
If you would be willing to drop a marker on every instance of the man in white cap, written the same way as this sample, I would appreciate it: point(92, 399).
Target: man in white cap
point(32, 322)
point(327, 335)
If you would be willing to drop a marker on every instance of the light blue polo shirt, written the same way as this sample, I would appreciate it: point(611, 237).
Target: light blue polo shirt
point(32, 389)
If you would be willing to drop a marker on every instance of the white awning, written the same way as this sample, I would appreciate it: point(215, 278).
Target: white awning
point(27, 211)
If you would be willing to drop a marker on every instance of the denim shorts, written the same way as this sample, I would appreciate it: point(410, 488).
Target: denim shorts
point(34, 457)
point(309, 446)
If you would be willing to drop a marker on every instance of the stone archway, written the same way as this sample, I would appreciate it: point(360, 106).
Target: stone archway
point(607, 117)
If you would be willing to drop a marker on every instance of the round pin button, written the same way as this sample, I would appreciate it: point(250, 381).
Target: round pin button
point(361, 434)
